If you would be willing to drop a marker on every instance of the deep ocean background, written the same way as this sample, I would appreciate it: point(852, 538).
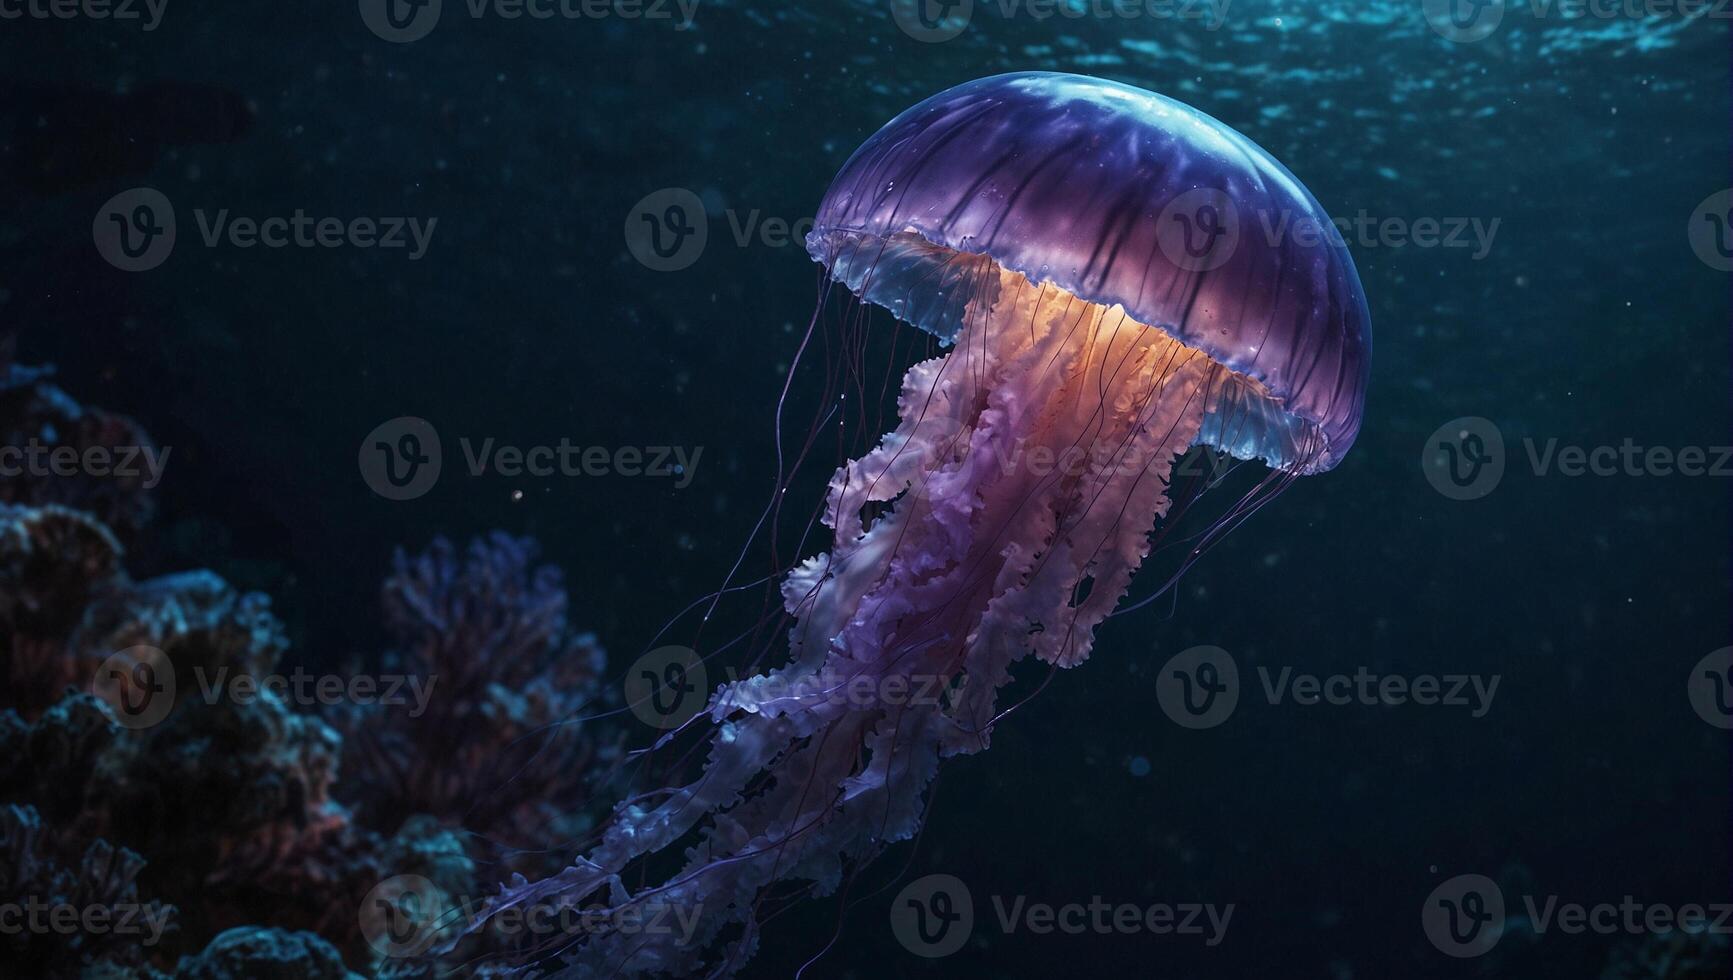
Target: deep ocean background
point(1589, 321)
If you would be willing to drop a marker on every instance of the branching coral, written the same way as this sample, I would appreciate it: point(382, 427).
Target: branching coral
point(42, 873)
point(229, 806)
point(497, 750)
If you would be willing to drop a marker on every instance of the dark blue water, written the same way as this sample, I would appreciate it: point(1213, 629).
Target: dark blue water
point(1564, 160)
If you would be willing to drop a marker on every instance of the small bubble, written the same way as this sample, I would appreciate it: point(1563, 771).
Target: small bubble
point(1139, 766)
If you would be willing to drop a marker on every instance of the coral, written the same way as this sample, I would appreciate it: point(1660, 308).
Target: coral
point(490, 753)
point(199, 622)
point(53, 562)
point(36, 414)
point(40, 871)
point(227, 805)
point(1674, 955)
point(252, 953)
point(50, 762)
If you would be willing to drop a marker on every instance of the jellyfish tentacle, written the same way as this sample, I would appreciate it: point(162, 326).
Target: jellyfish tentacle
point(1029, 460)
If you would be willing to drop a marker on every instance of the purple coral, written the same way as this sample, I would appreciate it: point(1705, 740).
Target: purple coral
point(498, 749)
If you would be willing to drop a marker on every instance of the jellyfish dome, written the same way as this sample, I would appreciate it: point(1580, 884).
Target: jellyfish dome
point(1118, 278)
point(1120, 197)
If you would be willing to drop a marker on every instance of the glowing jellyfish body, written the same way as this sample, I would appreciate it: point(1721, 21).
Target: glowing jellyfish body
point(1119, 278)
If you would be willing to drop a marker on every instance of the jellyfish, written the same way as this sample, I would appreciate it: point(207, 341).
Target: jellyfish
point(1113, 278)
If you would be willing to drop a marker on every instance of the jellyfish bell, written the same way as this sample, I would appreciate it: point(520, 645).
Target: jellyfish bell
point(1125, 200)
point(1100, 264)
